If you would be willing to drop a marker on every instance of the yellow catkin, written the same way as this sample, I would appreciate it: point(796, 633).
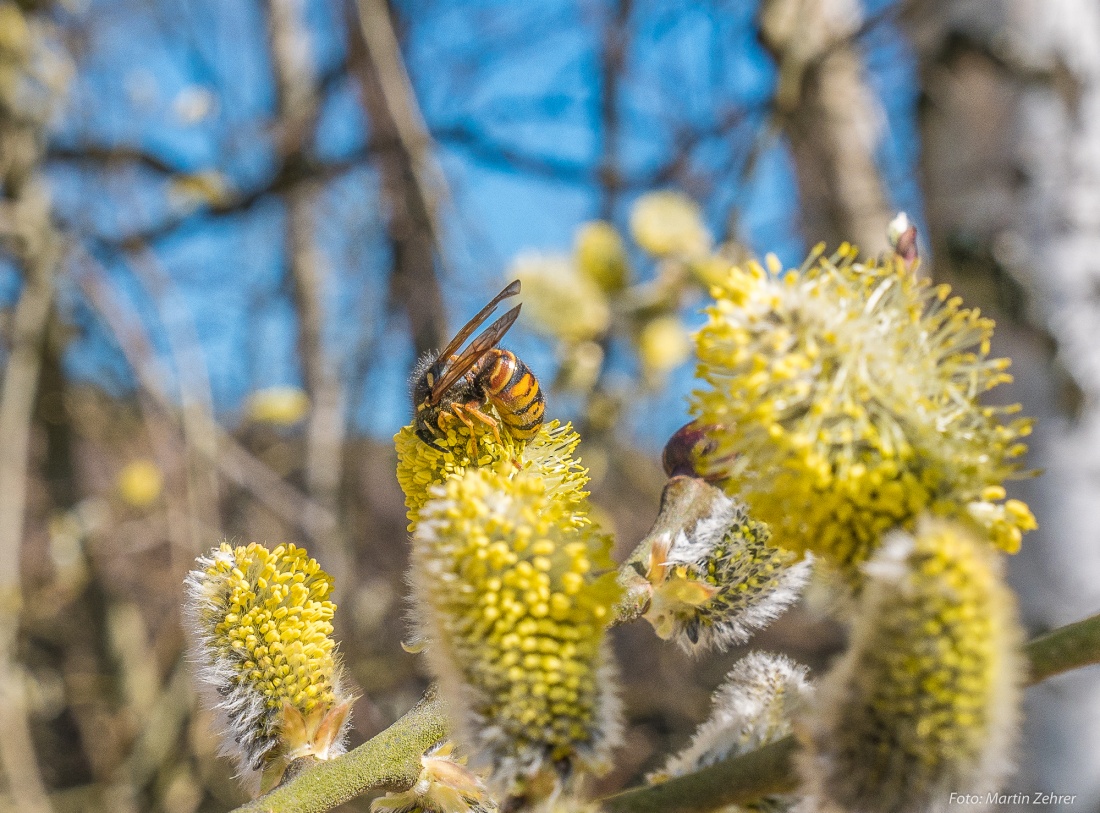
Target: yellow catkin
point(261, 622)
point(278, 406)
point(926, 701)
point(600, 255)
point(848, 396)
point(560, 301)
point(513, 598)
point(548, 455)
point(669, 224)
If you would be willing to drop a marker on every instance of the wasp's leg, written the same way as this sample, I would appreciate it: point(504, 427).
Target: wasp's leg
point(474, 410)
point(460, 413)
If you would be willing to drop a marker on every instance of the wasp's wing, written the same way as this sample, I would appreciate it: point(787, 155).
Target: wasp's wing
point(486, 341)
point(452, 347)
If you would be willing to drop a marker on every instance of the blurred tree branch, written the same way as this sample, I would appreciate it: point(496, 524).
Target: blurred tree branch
point(612, 63)
point(294, 170)
point(831, 116)
point(490, 152)
point(233, 460)
point(412, 181)
point(298, 104)
point(202, 498)
point(30, 211)
point(37, 247)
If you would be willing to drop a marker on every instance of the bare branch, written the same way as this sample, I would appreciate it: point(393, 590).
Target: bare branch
point(325, 429)
point(612, 63)
point(412, 180)
point(233, 460)
point(37, 247)
point(492, 153)
point(826, 108)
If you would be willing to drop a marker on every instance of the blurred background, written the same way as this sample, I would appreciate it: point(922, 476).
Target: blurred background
point(227, 229)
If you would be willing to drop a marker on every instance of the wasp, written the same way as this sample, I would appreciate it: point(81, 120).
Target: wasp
point(463, 384)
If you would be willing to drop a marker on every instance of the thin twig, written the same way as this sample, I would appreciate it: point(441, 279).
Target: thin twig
point(827, 110)
point(390, 761)
point(37, 248)
point(196, 401)
point(233, 460)
point(412, 180)
point(765, 771)
point(1069, 647)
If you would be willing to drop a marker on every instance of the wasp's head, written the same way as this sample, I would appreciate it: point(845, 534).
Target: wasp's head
point(425, 413)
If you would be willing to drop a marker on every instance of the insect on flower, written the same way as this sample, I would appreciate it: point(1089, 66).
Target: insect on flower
point(460, 385)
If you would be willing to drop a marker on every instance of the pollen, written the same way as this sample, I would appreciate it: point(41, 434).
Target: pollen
point(850, 394)
point(514, 599)
point(549, 455)
point(262, 620)
point(926, 700)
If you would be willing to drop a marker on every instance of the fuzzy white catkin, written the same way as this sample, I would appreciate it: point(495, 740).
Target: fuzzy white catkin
point(712, 585)
point(754, 706)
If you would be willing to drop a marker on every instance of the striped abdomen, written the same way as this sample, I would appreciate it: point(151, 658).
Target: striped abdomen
point(514, 391)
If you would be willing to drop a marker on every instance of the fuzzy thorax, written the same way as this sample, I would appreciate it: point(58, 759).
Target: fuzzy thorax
point(513, 596)
point(261, 626)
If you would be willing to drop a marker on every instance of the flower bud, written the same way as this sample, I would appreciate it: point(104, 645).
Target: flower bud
point(709, 583)
point(754, 706)
point(140, 483)
point(579, 368)
point(278, 406)
point(561, 303)
point(601, 256)
point(261, 626)
point(902, 236)
point(663, 345)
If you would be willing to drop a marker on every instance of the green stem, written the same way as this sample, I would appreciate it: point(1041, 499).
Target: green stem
point(765, 771)
point(389, 761)
point(1069, 647)
point(770, 769)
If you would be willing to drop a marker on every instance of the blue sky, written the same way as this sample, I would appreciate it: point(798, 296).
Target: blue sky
point(190, 83)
